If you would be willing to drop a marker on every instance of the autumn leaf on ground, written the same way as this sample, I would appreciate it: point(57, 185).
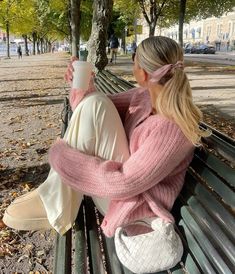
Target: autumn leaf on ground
point(2, 225)
point(19, 129)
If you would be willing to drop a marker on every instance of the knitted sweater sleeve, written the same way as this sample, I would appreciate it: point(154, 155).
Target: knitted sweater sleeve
point(122, 101)
point(76, 95)
point(162, 151)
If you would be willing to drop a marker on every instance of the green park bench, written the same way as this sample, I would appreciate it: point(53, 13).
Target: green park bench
point(204, 212)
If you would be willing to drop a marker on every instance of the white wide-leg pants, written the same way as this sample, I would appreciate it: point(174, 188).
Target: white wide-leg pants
point(96, 129)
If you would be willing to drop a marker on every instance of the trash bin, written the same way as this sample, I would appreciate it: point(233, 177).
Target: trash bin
point(83, 55)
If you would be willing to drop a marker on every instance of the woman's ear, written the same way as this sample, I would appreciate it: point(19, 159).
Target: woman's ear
point(143, 77)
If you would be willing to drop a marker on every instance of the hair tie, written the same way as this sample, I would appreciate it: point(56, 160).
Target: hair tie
point(157, 75)
point(179, 64)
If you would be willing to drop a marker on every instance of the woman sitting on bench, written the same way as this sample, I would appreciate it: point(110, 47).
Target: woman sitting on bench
point(131, 182)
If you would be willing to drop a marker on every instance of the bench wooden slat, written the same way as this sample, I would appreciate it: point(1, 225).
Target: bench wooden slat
point(108, 88)
point(209, 228)
point(198, 255)
point(224, 149)
point(214, 163)
point(221, 143)
point(101, 89)
point(62, 262)
point(214, 232)
point(94, 252)
point(178, 271)
point(119, 81)
point(115, 267)
point(213, 181)
point(217, 210)
point(111, 85)
point(205, 245)
point(64, 117)
point(80, 257)
point(190, 265)
point(217, 222)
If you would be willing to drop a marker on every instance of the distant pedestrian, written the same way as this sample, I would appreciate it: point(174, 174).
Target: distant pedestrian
point(19, 51)
point(228, 45)
point(113, 45)
point(133, 50)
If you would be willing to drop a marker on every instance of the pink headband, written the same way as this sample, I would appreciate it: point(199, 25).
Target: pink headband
point(162, 71)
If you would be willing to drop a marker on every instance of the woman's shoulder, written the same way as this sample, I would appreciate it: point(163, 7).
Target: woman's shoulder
point(168, 128)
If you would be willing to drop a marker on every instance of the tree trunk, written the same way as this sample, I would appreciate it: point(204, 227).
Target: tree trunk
point(26, 44)
point(124, 40)
point(38, 47)
point(102, 10)
point(151, 13)
point(34, 42)
point(181, 21)
point(41, 45)
point(75, 25)
point(152, 28)
point(8, 39)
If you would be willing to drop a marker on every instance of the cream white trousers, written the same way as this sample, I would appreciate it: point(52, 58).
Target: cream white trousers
point(96, 129)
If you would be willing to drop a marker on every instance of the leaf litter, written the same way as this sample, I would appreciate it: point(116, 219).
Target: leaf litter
point(30, 114)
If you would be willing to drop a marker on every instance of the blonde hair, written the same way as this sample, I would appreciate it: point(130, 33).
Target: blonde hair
point(175, 99)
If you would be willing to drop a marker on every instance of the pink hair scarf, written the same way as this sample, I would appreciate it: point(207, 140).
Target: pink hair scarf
point(162, 71)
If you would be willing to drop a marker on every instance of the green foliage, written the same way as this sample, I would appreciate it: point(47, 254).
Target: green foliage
point(86, 19)
point(169, 14)
point(124, 15)
point(117, 24)
point(8, 12)
point(200, 9)
point(47, 18)
point(51, 19)
point(128, 12)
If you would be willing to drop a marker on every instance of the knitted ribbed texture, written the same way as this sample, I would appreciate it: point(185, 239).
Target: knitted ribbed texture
point(76, 95)
point(148, 183)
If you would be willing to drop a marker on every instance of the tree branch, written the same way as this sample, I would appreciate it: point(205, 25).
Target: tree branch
point(161, 7)
point(141, 3)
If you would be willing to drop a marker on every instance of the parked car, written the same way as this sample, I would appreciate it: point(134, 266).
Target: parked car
point(190, 48)
point(206, 49)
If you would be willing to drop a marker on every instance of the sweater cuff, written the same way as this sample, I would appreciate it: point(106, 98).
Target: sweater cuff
point(55, 153)
point(76, 95)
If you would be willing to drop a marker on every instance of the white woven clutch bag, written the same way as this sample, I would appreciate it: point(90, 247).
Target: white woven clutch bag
point(158, 250)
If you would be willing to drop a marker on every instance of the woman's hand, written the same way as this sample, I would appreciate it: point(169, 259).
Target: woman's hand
point(69, 72)
point(76, 95)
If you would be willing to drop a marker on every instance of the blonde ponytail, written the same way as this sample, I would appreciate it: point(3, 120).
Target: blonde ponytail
point(179, 106)
point(175, 99)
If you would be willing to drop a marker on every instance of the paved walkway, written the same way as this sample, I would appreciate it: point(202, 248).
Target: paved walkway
point(212, 85)
point(219, 58)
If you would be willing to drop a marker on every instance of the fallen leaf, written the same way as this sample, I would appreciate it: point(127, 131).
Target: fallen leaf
point(14, 194)
point(22, 258)
point(2, 225)
point(41, 151)
point(40, 253)
point(19, 129)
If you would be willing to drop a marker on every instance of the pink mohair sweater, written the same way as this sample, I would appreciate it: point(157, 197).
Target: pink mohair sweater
point(148, 183)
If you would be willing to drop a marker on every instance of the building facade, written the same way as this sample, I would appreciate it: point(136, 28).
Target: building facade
point(208, 31)
point(2, 35)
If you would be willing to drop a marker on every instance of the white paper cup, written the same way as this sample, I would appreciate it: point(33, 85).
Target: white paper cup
point(82, 74)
